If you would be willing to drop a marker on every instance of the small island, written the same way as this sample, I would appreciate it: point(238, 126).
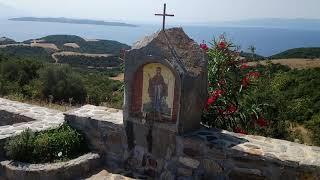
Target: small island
point(72, 21)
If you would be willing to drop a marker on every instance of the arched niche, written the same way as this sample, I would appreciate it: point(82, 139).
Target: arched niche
point(156, 93)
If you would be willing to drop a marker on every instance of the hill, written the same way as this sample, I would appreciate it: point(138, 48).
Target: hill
point(83, 46)
point(307, 53)
point(72, 21)
point(249, 56)
point(98, 62)
point(4, 41)
point(27, 52)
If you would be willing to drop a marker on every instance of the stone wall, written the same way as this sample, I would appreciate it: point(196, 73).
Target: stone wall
point(73, 169)
point(203, 154)
point(216, 154)
point(103, 129)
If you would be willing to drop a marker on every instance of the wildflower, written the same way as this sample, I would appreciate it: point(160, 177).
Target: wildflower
point(204, 47)
point(240, 131)
point(59, 154)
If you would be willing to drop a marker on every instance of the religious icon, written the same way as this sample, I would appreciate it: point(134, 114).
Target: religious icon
point(158, 92)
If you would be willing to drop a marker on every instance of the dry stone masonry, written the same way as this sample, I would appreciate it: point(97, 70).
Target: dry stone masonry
point(204, 153)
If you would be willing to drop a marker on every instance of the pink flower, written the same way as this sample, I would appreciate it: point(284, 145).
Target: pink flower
point(221, 82)
point(231, 109)
point(254, 74)
point(244, 66)
point(217, 92)
point(245, 81)
point(215, 95)
point(204, 47)
point(222, 45)
point(210, 101)
point(262, 122)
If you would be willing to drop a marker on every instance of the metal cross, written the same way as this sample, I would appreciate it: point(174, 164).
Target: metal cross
point(164, 16)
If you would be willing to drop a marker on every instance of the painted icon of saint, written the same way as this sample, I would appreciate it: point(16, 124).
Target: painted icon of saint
point(158, 91)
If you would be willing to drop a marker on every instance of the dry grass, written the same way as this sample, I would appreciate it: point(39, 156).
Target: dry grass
point(61, 107)
point(73, 45)
point(302, 133)
point(295, 63)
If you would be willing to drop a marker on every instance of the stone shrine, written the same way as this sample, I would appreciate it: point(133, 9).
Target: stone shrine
point(166, 81)
point(165, 91)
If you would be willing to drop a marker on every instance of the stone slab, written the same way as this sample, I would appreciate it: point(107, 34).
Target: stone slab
point(38, 118)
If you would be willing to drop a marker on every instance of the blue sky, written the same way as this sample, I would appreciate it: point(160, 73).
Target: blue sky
point(187, 11)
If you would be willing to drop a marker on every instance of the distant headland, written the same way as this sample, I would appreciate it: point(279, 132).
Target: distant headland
point(72, 21)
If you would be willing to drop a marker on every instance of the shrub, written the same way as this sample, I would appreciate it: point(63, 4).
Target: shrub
point(229, 78)
point(62, 83)
point(314, 125)
point(21, 147)
point(48, 146)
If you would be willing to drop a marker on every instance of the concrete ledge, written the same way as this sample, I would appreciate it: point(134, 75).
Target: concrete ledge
point(72, 169)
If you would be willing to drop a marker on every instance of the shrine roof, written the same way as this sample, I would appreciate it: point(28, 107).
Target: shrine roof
point(174, 45)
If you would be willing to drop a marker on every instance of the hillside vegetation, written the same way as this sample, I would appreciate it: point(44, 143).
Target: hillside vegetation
point(4, 41)
point(27, 52)
point(294, 99)
point(97, 46)
point(251, 57)
point(303, 53)
point(35, 80)
point(306, 53)
point(91, 62)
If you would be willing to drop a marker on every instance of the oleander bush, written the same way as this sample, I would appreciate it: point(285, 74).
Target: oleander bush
point(269, 100)
point(59, 144)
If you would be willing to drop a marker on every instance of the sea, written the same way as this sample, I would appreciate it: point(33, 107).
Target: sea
point(268, 41)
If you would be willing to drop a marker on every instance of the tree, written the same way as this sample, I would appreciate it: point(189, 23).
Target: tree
point(63, 84)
